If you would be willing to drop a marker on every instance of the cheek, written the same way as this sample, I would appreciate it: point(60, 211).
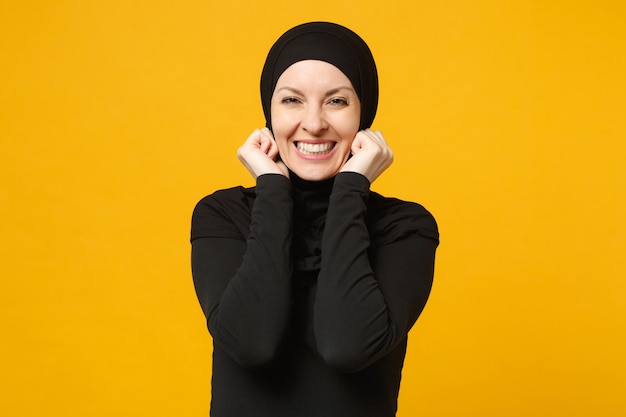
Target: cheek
point(281, 133)
point(282, 146)
point(347, 148)
point(349, 131)
point(280, 122)
point(349, 123)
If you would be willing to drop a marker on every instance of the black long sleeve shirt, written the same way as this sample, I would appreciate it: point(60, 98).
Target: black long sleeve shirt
point(309, 292)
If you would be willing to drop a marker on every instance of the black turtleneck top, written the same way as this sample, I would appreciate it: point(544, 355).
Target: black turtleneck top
point(310, 289)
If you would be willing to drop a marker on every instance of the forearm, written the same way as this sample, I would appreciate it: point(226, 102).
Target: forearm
point(247, 298)
point(364, 306)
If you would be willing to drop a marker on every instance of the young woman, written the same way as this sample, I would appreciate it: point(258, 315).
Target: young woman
point(309, 281)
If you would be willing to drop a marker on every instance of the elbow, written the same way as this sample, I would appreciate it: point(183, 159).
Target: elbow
point(349, 352)
point(344, 359)
point(255, 355)
point(252, 351)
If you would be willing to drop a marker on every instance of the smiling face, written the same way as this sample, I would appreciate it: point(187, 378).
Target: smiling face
point(315, 117)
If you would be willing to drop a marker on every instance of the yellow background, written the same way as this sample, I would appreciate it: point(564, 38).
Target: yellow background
point(507, 120)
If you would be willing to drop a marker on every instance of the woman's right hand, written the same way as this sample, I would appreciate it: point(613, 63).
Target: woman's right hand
point(259, 154)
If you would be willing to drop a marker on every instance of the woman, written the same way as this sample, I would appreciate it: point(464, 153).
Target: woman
point(309, 281)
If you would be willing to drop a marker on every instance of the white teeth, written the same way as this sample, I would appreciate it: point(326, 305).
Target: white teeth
point(314, 148)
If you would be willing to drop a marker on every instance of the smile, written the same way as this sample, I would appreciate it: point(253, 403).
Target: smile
point(314, 148)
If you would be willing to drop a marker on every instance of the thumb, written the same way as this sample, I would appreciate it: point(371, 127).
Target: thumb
point(357, 144)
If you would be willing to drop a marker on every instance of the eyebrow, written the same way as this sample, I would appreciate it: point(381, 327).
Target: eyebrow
point(328, 93)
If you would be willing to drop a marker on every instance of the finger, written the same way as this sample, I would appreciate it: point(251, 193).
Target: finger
point(272, 152)
point(374, 135)
point(265, 131)
point(361, 141)
point(265, 146)
point(270, 148)
point(357, 143)
point(378, 135)
point(376, 138)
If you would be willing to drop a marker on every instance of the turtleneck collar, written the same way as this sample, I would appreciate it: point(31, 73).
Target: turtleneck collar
point(300, 184)
point(311, 197)
point(310, 206)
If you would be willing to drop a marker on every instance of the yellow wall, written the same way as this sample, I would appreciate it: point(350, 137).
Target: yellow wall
point(507, 119)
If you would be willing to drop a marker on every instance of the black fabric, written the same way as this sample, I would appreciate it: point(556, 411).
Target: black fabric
point(309, 290)
point(328, 42)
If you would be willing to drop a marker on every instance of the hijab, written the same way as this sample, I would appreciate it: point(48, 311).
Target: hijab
point(328, 42)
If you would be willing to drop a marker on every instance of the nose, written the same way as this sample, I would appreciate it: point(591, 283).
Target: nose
point(313, 120)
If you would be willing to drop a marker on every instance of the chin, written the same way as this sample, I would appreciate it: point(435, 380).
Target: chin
point(314, 174)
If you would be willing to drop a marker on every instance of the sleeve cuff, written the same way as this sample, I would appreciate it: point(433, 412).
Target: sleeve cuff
point(275, 182)
point(351, 182)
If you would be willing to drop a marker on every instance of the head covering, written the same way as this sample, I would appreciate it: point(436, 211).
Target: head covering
point(328, 42)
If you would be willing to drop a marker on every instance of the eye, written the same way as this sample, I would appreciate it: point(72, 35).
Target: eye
point(338, 101)
point(290, 100)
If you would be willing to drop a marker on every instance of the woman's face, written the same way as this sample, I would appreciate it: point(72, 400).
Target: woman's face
point(315, 116)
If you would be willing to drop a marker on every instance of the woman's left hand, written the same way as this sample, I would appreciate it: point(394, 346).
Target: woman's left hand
point(371, 155)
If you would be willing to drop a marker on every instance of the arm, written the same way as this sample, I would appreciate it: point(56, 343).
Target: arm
point(244, 287)
point(366, 301)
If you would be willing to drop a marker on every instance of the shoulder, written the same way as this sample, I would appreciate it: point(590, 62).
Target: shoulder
point(391, 219)
point(224, 213)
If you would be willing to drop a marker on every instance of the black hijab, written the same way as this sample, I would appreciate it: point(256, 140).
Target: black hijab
point(328, 42)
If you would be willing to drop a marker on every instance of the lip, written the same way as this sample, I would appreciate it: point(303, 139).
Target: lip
point(315, 157)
